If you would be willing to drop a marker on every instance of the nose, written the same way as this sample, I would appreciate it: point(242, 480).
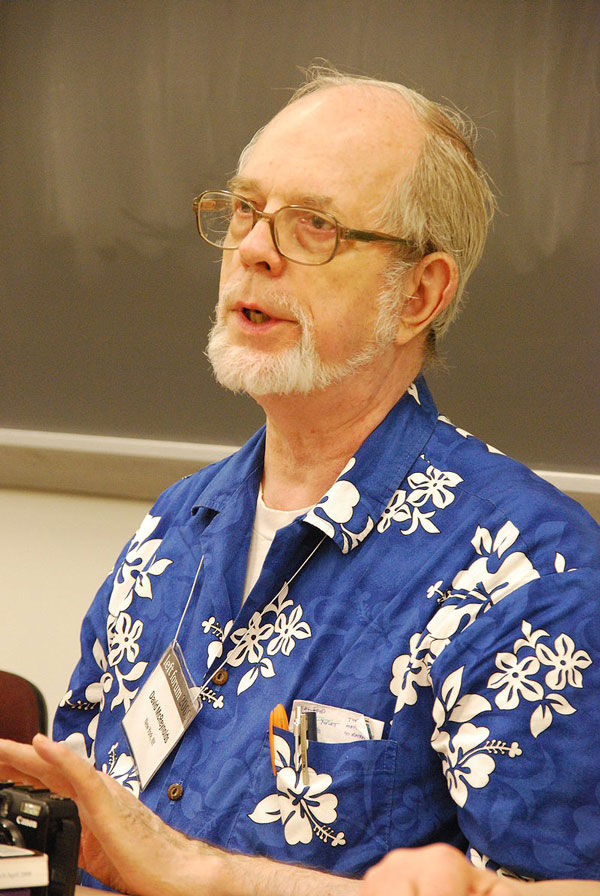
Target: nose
point(258, 248)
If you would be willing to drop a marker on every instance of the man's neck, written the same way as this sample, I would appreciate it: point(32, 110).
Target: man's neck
point(311, 438)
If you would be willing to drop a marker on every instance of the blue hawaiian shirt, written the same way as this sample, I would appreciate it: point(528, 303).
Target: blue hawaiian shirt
point(453, 595)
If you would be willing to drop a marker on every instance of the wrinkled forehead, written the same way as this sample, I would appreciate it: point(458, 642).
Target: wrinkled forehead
point(338, 139)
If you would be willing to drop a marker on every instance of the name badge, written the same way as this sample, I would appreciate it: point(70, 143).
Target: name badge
point(157, 719)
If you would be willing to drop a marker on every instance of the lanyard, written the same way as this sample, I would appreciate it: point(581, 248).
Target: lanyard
point(286, 583)
point(169, 701)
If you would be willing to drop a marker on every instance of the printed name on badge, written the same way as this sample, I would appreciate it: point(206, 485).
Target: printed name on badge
point(158, 717)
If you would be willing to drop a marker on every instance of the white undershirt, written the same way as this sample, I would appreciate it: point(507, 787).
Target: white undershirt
point(267, 522)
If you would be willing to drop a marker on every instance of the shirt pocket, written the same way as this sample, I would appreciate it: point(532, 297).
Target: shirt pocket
point(339, 820)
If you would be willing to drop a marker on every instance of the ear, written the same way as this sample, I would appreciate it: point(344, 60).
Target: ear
point(429, 288)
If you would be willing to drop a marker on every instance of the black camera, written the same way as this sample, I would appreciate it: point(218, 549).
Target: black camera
point(38, 819)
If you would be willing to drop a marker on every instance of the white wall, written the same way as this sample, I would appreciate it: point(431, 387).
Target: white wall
point(55, 550)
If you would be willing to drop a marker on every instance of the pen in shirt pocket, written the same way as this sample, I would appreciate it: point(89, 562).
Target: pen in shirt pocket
point(278, 719)
point(305, 729)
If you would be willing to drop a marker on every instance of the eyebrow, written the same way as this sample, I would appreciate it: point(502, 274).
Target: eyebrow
point(318, 201)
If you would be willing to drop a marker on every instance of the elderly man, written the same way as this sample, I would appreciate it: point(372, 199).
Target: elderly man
point(391, 629)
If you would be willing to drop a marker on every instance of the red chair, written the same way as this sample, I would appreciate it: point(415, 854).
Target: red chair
point(23, 710)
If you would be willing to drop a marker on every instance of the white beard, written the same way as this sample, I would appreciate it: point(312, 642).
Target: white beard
point(297, 369)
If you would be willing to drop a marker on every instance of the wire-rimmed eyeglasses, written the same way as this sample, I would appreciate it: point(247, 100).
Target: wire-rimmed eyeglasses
point(300, 234)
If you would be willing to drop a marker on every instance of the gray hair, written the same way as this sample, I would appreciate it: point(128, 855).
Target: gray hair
point(446, 202)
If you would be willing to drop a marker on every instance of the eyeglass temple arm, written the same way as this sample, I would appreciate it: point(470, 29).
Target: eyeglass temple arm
point(368, 236)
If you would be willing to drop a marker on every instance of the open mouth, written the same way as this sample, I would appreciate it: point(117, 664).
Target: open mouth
point(254, 316)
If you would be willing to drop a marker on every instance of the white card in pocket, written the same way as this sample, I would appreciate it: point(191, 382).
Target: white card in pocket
point(334, 725)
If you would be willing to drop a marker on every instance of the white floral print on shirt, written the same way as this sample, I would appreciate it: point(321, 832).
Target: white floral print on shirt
point(269, 631)
point(467, 754)
point(516, 679)
point(433, 488)
point(134, 575)
point(496, 573)
point(133, 579)
point(338, 507)
point(303, 809)
point(534, 672)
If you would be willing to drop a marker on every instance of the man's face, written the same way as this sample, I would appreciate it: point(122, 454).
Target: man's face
point(283, 327)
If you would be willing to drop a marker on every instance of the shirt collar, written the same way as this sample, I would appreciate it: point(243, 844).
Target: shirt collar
point(355, 502)
point(234, 475)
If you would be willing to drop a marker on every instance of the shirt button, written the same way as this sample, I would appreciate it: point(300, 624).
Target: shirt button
point(220, 677)
point(175, 792)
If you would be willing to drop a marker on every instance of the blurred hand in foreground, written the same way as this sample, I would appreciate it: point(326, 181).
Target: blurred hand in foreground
point(129, 848)
point(123, 844)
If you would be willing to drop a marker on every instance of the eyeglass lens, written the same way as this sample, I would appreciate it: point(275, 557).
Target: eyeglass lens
point(301, 234)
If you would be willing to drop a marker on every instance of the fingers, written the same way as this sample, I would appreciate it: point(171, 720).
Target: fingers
point(102, 801)
point(64, 761)
point(436, 870)
point(52, 765)
point(94, 793)
point(20, 762)
point(123, 843)
point(139, 848)
point(498, 887)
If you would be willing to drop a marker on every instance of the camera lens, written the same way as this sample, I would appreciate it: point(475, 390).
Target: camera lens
point(10, 833)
